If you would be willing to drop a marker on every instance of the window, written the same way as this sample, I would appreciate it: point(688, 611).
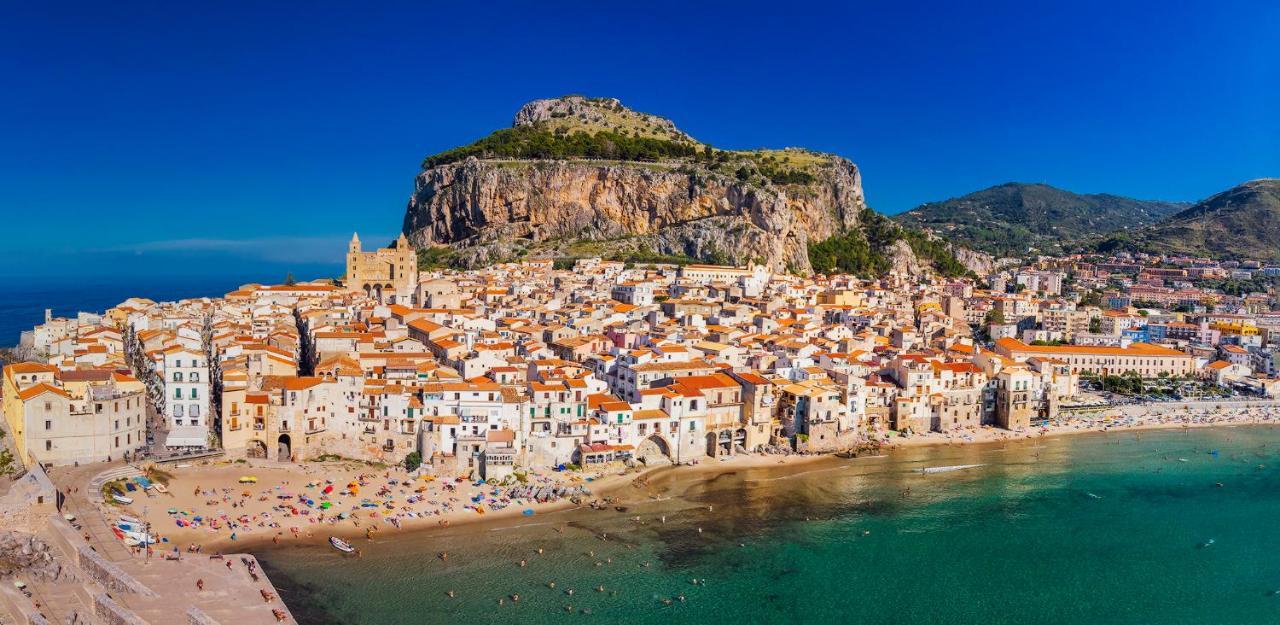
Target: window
point(48, 425)
point(195, 393)
point(177, 376)
point(195, 411)
point(48, 445)
point(195, 377)
point(177, 393)
point(177, 410)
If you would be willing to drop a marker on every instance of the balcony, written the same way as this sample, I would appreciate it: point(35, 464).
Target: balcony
point(258, 425)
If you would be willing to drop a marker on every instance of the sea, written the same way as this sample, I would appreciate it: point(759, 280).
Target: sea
point(28, 297)
point(1161, 527)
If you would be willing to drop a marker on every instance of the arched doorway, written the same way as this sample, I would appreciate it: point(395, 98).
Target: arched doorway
point(377, 292)
point(711, 444)
point(256, 449)
point(283, 451)
point(654, 450)
point(368, 290)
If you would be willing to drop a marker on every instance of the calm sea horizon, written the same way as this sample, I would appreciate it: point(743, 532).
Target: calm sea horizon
point(29, 297)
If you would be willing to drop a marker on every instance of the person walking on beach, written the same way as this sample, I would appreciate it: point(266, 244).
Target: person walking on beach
point(200, 584)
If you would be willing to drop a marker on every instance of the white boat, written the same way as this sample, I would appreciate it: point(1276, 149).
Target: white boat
point(121, 499)
point(341, 545)
point(139, 538)
point(161, 488)
point(124, 518)
point(948, 469)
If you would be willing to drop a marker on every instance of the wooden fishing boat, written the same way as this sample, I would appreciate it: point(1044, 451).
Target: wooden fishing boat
point(121, 499)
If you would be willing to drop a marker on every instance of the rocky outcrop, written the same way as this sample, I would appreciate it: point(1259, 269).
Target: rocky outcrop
point(30, 556)
point(980, 263)
point(597, 112)
point(487, 208)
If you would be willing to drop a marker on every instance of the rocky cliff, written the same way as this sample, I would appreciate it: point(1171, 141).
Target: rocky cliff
point(488, 209)
point(548, 187)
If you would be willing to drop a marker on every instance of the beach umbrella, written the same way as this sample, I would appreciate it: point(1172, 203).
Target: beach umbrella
point(19, 584)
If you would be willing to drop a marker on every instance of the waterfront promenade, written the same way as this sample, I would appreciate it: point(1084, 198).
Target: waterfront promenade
point(84, 574)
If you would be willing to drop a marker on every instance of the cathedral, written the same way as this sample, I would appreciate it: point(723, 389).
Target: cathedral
point(388, 275)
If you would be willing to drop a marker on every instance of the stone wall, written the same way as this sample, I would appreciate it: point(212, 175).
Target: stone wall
point(108, 612)
point(37, 619)
point(196, 616)
point(109, 575)
point(30, 500)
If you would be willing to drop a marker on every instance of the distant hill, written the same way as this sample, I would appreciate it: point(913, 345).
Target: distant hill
point(1016, 219)
point(1242, 222)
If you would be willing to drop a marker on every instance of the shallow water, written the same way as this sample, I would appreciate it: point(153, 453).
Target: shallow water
point(1110, 528)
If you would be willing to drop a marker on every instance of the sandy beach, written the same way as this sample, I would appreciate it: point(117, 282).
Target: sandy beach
point(209, 508)
point(1147, 416)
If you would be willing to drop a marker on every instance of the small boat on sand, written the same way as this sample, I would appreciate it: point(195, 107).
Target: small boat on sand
point(341, 545)
point(121, 499)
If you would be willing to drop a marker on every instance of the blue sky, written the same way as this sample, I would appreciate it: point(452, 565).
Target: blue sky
point(157, 139)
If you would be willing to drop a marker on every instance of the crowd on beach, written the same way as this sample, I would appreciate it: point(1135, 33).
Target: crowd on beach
point(277, 502)
point(236, 502)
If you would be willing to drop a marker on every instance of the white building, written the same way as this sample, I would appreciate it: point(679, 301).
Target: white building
point(186, 397)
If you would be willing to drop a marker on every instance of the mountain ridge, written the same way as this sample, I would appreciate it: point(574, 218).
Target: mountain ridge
point(1242, 222)
point(1019, 218)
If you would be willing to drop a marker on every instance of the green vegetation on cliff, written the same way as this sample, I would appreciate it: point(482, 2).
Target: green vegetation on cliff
point(864, 252)
point(536, 142)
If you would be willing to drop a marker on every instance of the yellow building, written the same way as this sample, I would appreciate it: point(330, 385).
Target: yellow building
point(1144, 359)
point(388, 275)
point(65, 417)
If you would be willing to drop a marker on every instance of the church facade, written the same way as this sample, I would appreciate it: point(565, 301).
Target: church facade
point(389, 274)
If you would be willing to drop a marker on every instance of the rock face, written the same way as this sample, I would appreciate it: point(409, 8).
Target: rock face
point(483, 207)
point(30, 556)
point(593, 112)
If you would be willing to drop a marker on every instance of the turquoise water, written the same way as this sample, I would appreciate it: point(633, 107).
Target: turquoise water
point(1111, 528)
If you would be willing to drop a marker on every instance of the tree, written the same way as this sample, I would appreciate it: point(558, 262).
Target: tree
point(289, 280)
point(412, 461)
point(6, 458)
point(995, 317)
point(1095, 326)
point(7, 466)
